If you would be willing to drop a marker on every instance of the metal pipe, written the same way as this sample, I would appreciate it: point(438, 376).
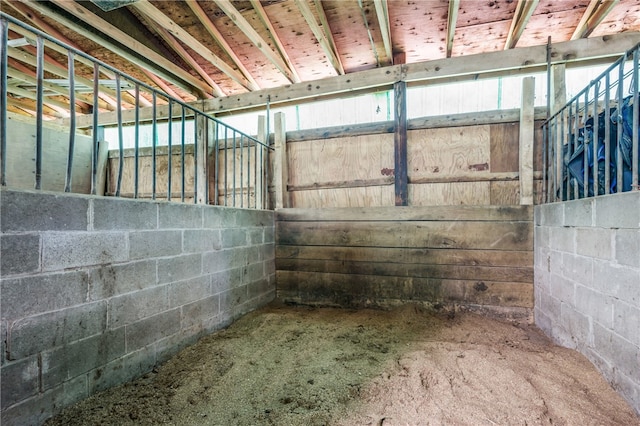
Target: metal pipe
point(170, 144)
point(182, 137)
point(95, 112)
point(234, 168)
point(4, 37)
point(607, 136)
point(636, 125)
point(585, 157)
point(217, 165)
point(195, 158)
point(594, 135)
point(136, 154)
point(39, 109)
point(226, 164)
point(154, 142)
point(120, 137)
point(241, 173)
point(619, 128)
point(72, 122)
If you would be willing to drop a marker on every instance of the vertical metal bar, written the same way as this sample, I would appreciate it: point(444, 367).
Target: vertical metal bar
point(170, 144)
point(619, 179)
point(576, 129)
point(554, 164)
point(195, 158)
point(545, 183)
point(267, 143)
point(4, 38)
point(570, 143)
point(136, 142)
point(241, 172)
point(95, 112)
point(636, 125)
point(561, 153)
point(248, 173)
point(255, 175)
point(120, 137)
point(217, 164)
point(226, 163)
point(39, 108)
point(154, 141)
point(594, 135)
point(182, 138)
point(72, 121)
point(607, 136)
point(205, 151)
point(585, 154)
point(234, 168)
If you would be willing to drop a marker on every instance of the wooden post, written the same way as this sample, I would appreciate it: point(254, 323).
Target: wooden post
point(262, 156)
point(202, 145)
point(558, 100)
point(400, 143)
point(526, 140)
point(281, 171)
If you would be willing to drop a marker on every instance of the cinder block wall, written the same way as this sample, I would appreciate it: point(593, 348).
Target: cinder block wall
point(96, 291)
point(587, 283)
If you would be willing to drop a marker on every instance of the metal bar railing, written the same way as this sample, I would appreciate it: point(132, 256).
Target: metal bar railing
point(590, 146)
point(137, 178)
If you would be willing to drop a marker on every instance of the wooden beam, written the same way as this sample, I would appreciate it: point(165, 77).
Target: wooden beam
point(280, 169)
point(514, 61)
point(320, 35)
point(262, 14)
point(524, 10)
point(219, 38)
point(327, 31)
point(255, 38)
point(592, 17)
point(153, 62)
point(527, 134)
point(61, 107)
point(262, 199)
point(400, 144)
point(452, 18)
point(382, 12)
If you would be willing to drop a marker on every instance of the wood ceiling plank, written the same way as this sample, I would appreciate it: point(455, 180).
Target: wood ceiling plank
point(623, 18)
point(452, 18)
point(161, 66)
point(318, 32)
point(264, 18)
point(524, 11)
point(213, 31)
point(595, 13)
point(382, 12)
point(149, 10)
point(229, 9)
point(326, 28)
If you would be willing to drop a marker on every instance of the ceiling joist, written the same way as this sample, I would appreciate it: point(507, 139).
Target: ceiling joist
point(234, 14)
point(320, 35)
point(219, 38)
point(523, 12)
point(452, 18)
point(595, 13)
point(382, 12)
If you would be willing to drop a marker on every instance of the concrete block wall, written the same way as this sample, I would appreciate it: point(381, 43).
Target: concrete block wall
point(587, 283)
point(96, 291)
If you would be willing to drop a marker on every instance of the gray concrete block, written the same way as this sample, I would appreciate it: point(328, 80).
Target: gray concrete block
point(201, 240)
point(579, 212)
point(222, 260)
point(39, 333)
point(4, 336)
point(113, 280)
point(149, 330)
point(255, 236)
point(41, 211)
point(594, 242)
point(537, 215)
point(550, 306)
point(233, 298)
point(577, 325)
point(618, 210)
point(180, 216)
point(578, 269)
point(69, 361)
point(122, 370)
point(259, 288)
point(20, 380)
point(250, 218)
point(168, 347)
point(19, 254)
point(68, 250)
point(627, 247)
point(562, 239)
point(112, 214)
point(542, 321)
point(616, 280)
point(41, 293)
point(563, 289)
point(618, 351)
point(269, 234)
point(225, 280)
point(541, 237)
point(35, 410)
point(187, 291)
point(216, 217)
point(629, 388)
point(253, 272)
point(626, 321)
point(147, 244)
point(594, 304)
point(132, 307)
point(552, 214)
point(196, 314)
point(179, 268)
point(234, 237)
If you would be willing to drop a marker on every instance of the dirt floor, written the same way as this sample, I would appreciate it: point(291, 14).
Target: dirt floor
point(306, 366)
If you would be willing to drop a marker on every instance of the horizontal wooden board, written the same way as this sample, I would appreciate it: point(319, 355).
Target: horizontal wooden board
point(406, 255)
point(471, 235)
point(416, 270)
point(450, 194)
point(435, 213)
point(371, 290)
point(367, 196)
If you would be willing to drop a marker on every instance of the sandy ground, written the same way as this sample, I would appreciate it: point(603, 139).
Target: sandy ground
point(306, 366)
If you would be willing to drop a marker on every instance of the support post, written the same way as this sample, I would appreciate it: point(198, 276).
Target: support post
point(281, 171)
point(261, 161)
point(558, 100)
point(202, 145)
point(526, 140)
point(400, 143)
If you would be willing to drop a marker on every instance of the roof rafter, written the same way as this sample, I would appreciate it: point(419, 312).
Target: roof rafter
point(219, 38)
point(255, 38)
point(262, 14)
point(595, 13)
point(452, 18)
point(382, 12)
point(327, 32)
point(522, 14)
point(159, 64)
point(150, 11)
point(325, 42)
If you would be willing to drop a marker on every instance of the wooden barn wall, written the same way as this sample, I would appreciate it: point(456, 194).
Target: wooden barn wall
point(476, 257)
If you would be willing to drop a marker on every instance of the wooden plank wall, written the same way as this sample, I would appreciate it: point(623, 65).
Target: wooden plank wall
point(478, 257)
